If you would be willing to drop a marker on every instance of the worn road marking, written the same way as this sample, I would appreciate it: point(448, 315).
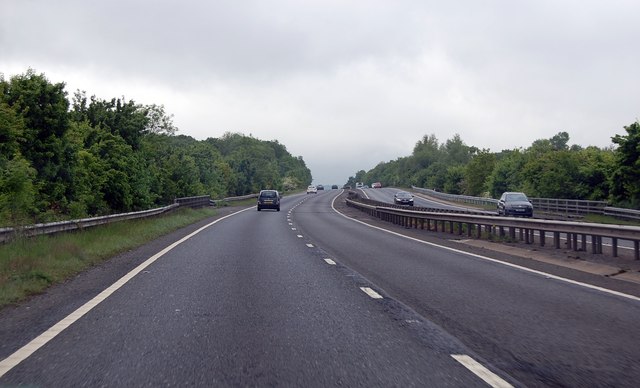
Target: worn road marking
point(21, 354)
point(479, 370)
point(299, 236)
point(330, 262)
point(310, 245)
point(371, 293)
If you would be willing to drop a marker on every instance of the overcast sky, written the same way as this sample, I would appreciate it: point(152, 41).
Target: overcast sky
point(346, 84)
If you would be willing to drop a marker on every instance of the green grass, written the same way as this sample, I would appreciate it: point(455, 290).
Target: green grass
point(29, 265)
point(602, 219)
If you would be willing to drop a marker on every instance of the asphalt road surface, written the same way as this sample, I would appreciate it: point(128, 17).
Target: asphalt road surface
point(309, 297)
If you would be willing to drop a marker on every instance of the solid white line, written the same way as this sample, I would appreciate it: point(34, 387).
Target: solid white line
point(21, 354)
point(371, 293)
point(545, 274)
point(330, 262)
point(479, 370)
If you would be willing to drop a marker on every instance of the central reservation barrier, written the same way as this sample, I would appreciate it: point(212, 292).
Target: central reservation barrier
point(477, 225)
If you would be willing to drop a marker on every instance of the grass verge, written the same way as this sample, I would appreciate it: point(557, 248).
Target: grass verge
point(29, 266)
point(602, 219)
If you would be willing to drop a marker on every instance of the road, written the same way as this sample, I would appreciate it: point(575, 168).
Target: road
point(278, 298)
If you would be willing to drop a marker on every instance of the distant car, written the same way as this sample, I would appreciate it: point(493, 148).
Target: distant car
point(515, 204)
point(403, 198)
point(359, 185)
point(320, 187)
point(312, 190)
point(376, 185)
point(334, 187)
point(269, 199)
point(346, 187)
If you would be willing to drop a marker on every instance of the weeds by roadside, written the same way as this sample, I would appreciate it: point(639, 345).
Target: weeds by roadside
point(29, 265)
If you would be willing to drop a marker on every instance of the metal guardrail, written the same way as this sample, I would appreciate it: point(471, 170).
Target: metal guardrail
point(7, 234)
point(628, 214)
point(498, 227)
point(457, 198)
point(552, 205)
point(568, 206)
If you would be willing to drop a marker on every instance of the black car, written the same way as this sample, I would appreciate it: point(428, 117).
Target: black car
point(515, 204)
point(403, 198)
point(269, 199)
point(334, 187)
point(320, 187)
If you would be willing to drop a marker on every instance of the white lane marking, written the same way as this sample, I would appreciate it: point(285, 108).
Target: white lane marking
point(293, 229)
point(545, 274)
point(310, 245)
point(371, 293)
point(330, 262)
point(479, 370)
point(299, 236)
point(21, 354)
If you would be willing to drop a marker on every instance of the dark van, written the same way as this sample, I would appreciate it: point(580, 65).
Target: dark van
point(269, 199)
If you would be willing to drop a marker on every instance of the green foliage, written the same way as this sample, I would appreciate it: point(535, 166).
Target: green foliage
point(548, 168)
point(94, 157)
point(476, 173)
point(626, 176)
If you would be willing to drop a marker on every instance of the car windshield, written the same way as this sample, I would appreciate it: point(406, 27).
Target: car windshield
point(516, 197)
point(268, 194)
point(403, 194)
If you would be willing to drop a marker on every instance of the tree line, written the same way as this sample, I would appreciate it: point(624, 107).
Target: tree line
point(62, 159)
point(549, 168)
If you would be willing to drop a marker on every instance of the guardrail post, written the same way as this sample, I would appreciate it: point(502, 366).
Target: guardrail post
point(599, 239)
point(614, 246)
point(556, 239)
point(636, 247)
point(543, 238)
point(594, 244)
point(583, 243)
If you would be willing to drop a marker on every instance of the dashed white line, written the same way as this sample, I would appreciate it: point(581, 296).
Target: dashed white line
point(371, 293)
point(299, 236)
point(330, 262)
point(479, 370)
point(310, 245)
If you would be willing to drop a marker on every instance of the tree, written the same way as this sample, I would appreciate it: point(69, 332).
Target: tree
point(477, 171)
point(626, 176)
point(43, 108)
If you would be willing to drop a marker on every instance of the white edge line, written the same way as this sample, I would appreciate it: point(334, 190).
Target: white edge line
point(481, 371)
point(21, 354)
point(545, 274)
point(371, 293)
